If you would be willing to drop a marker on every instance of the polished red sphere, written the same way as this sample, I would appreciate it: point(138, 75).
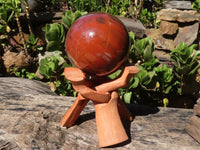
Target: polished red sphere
point(97, 43)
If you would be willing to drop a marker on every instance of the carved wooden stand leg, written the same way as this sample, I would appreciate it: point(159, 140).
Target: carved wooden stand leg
point(109, 126)
point(73, 113)
point(108, 107)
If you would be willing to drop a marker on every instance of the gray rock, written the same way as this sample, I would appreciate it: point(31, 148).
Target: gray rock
point(33, 5)
point(187, 34)
point(163, 56)
point(134, 25)
point(177, 4)
point(31, 119)
point(159, 41)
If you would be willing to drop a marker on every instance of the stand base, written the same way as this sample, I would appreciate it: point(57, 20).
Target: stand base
point(109, 126)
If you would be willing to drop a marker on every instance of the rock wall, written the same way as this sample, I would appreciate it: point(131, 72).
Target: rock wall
point(176, 26)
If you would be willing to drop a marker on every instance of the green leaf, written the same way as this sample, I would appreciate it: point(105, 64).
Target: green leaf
point(54, 32)
point(131, 36)
point(194, 70)
point(148, 53)
point(115, 74)
point(197, 53)
point(53, 46)
point(3, 14)
point(2, 29)
point(168, 89)
point(44, 71)
point(52, 66)
point(11, 15)
point(127, 97)
point(135, 82)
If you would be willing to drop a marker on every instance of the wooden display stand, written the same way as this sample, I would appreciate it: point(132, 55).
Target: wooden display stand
point(193, 126)
point(109, 109)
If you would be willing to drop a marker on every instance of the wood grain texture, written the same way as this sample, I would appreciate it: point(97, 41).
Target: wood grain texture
point(30, 118)
point(193, 127)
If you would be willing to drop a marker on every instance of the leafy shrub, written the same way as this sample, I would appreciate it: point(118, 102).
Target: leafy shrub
point(52, 70)
point(70, 17)
point(156, 83)
point(54, 36)
point(185, 64)
point(196, 5)
point(147, 18)
point(86, 5)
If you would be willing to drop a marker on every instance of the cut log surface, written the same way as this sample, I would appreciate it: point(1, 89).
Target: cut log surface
point(30, 118)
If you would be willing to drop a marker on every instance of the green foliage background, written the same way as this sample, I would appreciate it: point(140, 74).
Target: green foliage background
point(155, 84)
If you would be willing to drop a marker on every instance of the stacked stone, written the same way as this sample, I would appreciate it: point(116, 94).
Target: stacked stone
point(193, 126)
point(176, 26)
point(181, 26)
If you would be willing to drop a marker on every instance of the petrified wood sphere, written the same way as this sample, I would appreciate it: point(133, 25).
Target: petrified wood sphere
point(97, 43)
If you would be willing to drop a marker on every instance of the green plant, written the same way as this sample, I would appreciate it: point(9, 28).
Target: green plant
point(69, 17)
point(147, 18)
point(54, 36)
point(5, 18)
point(23, 73)
point(86, 5)
point(14, 6)
point(141, 50)
point(32, 44)
point(185, 63)
point(196, 5)
point(156, 83)
point(117, 7)
point(48, 67)
point(165, 79)
point(52, 70)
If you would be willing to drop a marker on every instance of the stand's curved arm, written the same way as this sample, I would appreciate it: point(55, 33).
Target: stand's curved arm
point(98, 93)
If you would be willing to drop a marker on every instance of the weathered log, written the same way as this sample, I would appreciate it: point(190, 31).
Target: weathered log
point(193, 127)
point(197, 109)
point(31, 119)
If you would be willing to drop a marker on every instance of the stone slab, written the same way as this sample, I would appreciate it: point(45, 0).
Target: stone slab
point(168, 28)
point(183, 5)
point(31, 119)
point(178, 15)
point(187, 34)
point(159, 41)
point(134, 25)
